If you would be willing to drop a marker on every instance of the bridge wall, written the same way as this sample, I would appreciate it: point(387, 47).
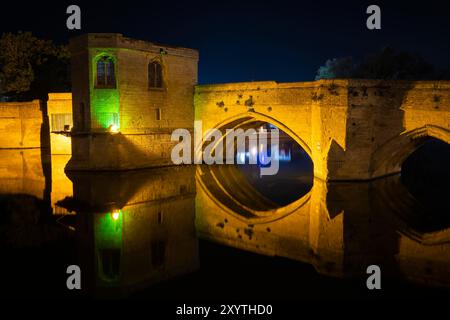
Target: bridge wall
point(20, 124)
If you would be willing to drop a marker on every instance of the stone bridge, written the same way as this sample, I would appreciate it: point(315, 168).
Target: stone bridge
point(351, 129)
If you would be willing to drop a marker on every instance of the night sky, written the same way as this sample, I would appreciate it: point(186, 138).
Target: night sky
point(252, 40)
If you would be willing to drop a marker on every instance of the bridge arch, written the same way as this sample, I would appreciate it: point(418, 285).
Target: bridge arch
point(226, 186)
point(238, 120)
point(388, 158)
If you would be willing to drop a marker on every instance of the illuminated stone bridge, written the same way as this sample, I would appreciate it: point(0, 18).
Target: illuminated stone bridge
point(351, 129)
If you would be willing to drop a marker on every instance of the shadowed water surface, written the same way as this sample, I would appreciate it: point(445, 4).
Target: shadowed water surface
point(169, 233)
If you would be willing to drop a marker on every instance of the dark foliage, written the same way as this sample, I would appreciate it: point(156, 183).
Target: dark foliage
point(388, 64)
point(31, 67)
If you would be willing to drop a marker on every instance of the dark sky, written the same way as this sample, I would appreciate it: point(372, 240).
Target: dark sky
point(251, 40)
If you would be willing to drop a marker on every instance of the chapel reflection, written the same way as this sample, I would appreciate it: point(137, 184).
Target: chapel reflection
point(134, 228)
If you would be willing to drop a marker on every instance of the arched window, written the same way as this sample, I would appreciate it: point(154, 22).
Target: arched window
point(106, 77)
point(155, 79)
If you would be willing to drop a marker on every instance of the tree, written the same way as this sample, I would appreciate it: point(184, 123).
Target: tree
point(31, 67)
point(387, 64)
point(336, 68)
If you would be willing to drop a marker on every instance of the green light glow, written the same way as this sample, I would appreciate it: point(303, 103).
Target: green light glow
point(108, 229)
point(108, 235)
point(105, 106)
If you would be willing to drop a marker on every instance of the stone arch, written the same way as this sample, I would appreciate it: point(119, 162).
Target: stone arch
point(389, 158)
point(239, 119)
point(209, 178)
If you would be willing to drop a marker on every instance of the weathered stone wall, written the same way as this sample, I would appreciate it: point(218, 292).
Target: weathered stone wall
point(104, 151)
point(60, 104)
point(386, 122)
point(411, 114)
point(287, 105)
point(20, 124)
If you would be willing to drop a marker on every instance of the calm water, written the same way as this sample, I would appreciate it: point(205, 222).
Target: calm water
point(217, 232)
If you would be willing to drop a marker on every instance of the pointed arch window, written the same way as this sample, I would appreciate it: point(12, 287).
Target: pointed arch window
point(155, 78)
point(106, 77)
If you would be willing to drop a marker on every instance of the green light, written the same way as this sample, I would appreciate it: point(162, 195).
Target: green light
point(108, 229)
point(108, 235)
point(105, 105)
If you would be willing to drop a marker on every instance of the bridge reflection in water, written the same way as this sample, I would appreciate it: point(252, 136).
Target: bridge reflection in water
point(133, 229)
point(339, 228)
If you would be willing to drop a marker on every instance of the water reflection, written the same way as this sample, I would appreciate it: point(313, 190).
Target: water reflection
point(133, 229)
point(293, 180)
point(426, 175)
point(137, 227)
point(342, 229)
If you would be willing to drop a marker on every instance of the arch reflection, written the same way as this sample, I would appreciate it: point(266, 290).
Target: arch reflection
point(341, 229)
